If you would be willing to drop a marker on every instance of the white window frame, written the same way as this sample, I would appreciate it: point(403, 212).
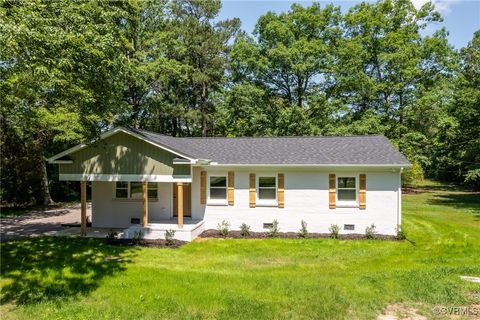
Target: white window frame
point(347, 203)
point(217, 202)
point(266, 202)
point(129, 192)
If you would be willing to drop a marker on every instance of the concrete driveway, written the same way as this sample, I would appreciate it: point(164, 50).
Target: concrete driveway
point(40, 223)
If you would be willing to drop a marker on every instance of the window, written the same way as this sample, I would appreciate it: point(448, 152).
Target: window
point(347, 189)
point(218, 187)
point(267, 188)
point(134, 190)
point(121, 190)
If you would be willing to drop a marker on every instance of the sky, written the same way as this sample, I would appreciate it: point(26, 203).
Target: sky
point(461, 17)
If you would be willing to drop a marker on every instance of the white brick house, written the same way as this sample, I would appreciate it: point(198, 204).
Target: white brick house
point(146, 180)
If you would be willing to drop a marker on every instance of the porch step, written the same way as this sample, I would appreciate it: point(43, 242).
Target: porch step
point(157, 230)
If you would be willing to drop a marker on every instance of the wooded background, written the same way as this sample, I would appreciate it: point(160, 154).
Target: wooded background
point(72, 69)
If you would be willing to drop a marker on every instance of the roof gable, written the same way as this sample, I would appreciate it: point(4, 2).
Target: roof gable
point(56, 158)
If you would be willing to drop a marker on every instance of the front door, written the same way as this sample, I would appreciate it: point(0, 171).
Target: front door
point(187, 212)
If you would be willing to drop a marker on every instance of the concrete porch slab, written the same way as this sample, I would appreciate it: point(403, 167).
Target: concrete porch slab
point(91, 232)
point(156, 230)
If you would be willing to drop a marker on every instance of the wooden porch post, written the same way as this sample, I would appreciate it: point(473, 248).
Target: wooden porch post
point(83, 210)
point(145, 203)
point(180, 204)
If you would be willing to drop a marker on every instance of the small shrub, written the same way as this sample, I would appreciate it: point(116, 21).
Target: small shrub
point(223, 228)
point(274, 229)
point(111, 235)
point(245, 230)
point(169, 237)
point(371, 232)
point(303, 232)
point(137, 237)
point(401, 234)
point(334, 231)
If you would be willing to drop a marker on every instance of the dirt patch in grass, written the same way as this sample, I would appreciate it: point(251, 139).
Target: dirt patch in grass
point(212, 233)
point(152, 243)
point(408, 190)
point(400, 311)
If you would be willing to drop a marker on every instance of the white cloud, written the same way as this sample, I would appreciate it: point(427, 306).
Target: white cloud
point(442, 6)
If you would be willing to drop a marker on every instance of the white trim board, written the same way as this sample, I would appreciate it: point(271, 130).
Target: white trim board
point(124, 177)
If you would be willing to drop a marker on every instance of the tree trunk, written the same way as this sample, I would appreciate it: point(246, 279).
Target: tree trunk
point(299, 91)
point(47, 199)
point(203, 110)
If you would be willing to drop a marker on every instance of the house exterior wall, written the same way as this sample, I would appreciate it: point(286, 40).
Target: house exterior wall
point(122, 154)
point(108, 212)
point(306, 198)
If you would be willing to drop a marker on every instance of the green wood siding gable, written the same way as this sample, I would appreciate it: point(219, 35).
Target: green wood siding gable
point(122, 153)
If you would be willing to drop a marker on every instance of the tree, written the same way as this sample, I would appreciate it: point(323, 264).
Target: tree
point(457, 152)
point(292, 52)
point(201, 46)
point(384, 62)
point(57, 62)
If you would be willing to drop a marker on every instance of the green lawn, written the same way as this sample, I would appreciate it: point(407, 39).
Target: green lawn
point(59, 278)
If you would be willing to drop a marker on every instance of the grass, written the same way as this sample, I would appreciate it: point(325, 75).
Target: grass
point(58, 278)
point(12, 212)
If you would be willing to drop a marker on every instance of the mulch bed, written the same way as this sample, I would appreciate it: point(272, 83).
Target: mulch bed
point(152, 243)
point(212, 233)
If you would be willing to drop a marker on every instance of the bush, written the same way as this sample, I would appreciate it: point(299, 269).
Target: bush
point(223, 228)
point(137, 237)
point(334, 231)
point(274, 229)
point(169, 237)
point(371, 232)
point(413, 175)
point(473, 178)
point(303, 232)
point(401, 234)
point(245, 230)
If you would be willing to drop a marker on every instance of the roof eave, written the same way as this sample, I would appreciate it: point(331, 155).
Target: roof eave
point(307, 165)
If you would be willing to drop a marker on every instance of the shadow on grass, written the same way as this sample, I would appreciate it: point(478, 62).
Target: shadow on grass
point(470, 201)
point(48, 268)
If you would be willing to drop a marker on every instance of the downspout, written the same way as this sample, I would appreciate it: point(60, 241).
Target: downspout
point(399, 200)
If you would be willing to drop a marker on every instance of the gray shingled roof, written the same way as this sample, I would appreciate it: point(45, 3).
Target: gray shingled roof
point(354, 150)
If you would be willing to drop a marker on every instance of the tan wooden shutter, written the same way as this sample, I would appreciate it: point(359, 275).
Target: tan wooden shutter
point(362, 193)
point(332, 192)
point(203, 187)
point(231, 188)
point(281, 190)
point(253, 194)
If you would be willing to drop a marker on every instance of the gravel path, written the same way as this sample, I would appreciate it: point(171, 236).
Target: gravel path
point(39, 223)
